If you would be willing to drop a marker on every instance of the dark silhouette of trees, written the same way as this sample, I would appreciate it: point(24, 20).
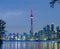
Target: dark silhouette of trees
point(52, 3)
point(2, 30)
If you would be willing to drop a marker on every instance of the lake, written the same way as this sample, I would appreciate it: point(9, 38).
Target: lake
point(29, 45)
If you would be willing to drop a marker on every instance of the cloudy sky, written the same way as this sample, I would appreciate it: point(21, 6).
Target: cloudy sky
point(16, 14)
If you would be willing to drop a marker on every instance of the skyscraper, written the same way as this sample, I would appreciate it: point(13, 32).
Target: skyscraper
point(48, 31)
point(57, 28)
point(44, 29)
point(31, 18)
point(58, 32)
point(52, 27)
point(48, 28)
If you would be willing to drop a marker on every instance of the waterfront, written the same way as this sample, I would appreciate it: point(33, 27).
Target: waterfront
point(19, 45)
point(29, 45)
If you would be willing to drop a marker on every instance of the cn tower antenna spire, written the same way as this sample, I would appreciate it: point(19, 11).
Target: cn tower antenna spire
point(31, 10)
point(31, 13)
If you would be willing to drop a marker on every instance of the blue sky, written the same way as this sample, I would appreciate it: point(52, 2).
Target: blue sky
point(16, 14)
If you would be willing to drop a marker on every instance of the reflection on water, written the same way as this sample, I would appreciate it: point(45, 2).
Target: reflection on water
point(0, 46)
point(28, 45)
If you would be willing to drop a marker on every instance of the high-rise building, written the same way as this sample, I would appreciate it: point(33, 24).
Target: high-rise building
point(44, 29)
point(52, 27)
point(57, 28)
point(48, 28)
point(48, 32)
point(31, 18)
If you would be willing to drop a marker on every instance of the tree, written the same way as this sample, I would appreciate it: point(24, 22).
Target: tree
point(2, 30)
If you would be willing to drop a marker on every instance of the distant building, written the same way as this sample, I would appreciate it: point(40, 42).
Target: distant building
point(48, 32)
point(48, 28)
point(44, 29)
point(52, 27)
point(57, 28)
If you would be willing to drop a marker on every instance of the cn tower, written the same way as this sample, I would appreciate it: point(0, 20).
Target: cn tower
point(31, 18)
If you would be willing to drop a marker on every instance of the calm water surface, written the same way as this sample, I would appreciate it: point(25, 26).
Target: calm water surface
point(20, 45)
point(24, 45)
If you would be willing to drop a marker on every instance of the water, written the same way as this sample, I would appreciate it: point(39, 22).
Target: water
point(28, 45)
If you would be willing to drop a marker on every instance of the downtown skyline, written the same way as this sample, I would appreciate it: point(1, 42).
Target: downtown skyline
point(16, 14)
